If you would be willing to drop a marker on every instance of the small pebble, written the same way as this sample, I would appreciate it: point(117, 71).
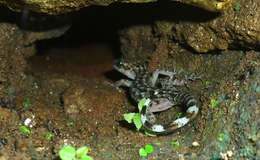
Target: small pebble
point(195, 144)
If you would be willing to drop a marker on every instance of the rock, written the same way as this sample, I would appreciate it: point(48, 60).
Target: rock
point(55, 7)
point(195, 144)
point(201, 31)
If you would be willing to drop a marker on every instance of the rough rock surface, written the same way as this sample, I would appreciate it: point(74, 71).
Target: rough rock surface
point(16, 45)
point(201, 31)
point(58, 6)
point(65, 6)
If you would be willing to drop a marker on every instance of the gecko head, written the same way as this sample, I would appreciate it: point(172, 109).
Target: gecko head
point(125, 69)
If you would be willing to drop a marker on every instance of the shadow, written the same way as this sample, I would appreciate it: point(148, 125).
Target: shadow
point(127, 125)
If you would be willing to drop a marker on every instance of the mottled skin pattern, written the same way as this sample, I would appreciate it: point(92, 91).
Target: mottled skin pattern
point(161, 92)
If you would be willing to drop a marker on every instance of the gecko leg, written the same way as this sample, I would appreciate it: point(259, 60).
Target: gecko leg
point(157, 72)
point(122, 82)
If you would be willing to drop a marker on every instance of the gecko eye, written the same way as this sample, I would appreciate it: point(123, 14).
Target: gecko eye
point(117, 63)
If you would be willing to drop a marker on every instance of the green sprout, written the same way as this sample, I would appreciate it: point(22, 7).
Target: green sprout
point(24, 130)
point(208, 82)
point(69, 153)
point(136, 118)
point(179, 115)
point(175, 144)
point(143, 152)
point(26, 103)
point(184, 137)
point(246, 90)
point(149, 133)
point(220, 136)
point(237, 7)
point(213, 103)
point(157, 143)
point(48, 136)
point(69, 124)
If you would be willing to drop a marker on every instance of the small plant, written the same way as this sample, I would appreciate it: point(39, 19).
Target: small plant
point(69, 153)
point(143, 152)
point(179, 115)
point(26, 103)
point(208, 82)
point(213, 103)
point(48, 136)
point(237, 7)
point(136, 117)
point(157, 143)
point(175, 144)
point(69, 124)
point(24, 130)
point(220, 136)
point(246, 90)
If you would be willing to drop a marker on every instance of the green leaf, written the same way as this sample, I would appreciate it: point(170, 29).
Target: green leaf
point(67, 153)
point(220, 136)
point(27, 100)
point(25, 130)
point(82, 151)
point(208, 82)
point(149, 133)
point(86, 158)
point(237, 7)
point(142, 152)
point(129, 117)
point(148, 148)
point(48, 136)
point(69, 124)
point(175, 144)
point(213, 103)
point(179, 115)
point(141, 104)
point(137, 121)
point(157, 143)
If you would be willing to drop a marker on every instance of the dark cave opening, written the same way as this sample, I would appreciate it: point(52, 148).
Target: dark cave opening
point(93, 38)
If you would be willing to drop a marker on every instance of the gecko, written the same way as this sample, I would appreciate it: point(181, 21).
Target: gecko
point(161, 92)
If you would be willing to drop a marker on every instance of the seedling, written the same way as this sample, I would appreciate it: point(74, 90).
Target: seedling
point(157, 143)
point(208, 82)
point(136, 117)
point(220, 136)
point(69, 153)
point(213, 103)
point(179, 115)
point(48, 136)
point(237, 7)
point(246, 90)
point(25, 130)
point(70, 124)
point(175, 144)
point(143, 152)
point(26, 103)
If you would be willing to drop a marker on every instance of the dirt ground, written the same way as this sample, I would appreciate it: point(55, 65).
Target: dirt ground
point(69, 96)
